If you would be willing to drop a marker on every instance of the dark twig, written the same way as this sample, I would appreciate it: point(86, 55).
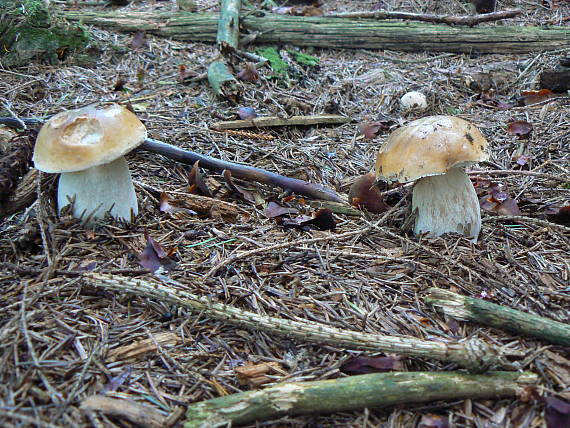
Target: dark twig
point(241, 171)
point(245, 172)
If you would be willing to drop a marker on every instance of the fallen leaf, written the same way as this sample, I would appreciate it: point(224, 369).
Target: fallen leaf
point(362, 364)
point(273, 209)
point(184, 73)
point(508, 207)
point(533, 97)
point(434, 421)
point(323, 220)
point(488, 98)
point(244, 193)
point(117, 381)
point(521, 160)
point(365, 193)
point(245, 113)
point(196, 182)
point(119, 84)
point(560, 215)
point(155, 256)
point(249, 73)
point(370, 129)
point(139, 40)
point(557, 413)
point(166, 207)
point(521, 128)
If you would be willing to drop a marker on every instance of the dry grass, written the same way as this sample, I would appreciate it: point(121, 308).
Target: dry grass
point(57, 334)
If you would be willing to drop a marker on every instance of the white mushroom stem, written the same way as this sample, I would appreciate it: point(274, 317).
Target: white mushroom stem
point(447, 203)
point(99, 189)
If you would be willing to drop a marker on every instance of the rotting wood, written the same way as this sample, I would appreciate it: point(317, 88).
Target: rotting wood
point(220, 76)
point(497, 316)
point(141, 415)
point(474, 354)
point(143, 346)
point(339, 33)
point(268, 121)
point(353, 393)
point(442, 19)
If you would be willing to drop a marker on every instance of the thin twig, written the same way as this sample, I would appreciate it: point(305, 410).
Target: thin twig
point(526, 220)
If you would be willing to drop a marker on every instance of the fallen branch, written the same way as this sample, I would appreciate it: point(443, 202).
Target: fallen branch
point(470, 20)
point(473, 354)
point(244, 172)
point(353, 393)
point(470, 309)
point(261, 122)
point(524, 219)
point(220, 77)
point(329, 32)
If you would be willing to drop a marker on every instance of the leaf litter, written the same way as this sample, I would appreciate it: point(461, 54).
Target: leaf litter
point(520, 264)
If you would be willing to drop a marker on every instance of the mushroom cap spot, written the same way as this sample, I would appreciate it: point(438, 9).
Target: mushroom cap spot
point(429, 146)
point(78, 139)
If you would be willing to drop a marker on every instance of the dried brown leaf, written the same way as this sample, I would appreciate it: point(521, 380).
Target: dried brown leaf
point(249, 73)
point(557, 413)
point(521, 128)
point(275, 210)
point(196, 181)
point(362, 364)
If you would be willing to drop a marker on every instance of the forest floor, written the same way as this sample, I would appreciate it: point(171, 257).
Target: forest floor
point(62, 340)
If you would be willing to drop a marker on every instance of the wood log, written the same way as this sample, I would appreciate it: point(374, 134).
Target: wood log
point(338, 32)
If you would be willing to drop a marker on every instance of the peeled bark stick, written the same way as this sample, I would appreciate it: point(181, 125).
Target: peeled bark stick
point(473, 354)
point(241, 171)
point(339, 33)
point(442, 19)
point(142, 415)
point(497, 316)
point(220, 76)
point(353, 393)
point(260, 122)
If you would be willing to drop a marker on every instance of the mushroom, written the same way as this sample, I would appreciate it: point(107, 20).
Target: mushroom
point(413, 101)
point(87, 146)
point(433, 150)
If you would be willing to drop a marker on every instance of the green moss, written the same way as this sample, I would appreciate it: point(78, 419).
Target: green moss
point(278, 66)
point(566, 185)
point(27, 32)
point(304, 59)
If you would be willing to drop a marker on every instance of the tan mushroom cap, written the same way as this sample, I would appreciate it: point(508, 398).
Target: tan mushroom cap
point(430, 146)
point(75, 140)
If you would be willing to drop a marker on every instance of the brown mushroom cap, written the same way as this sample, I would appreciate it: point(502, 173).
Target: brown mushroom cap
point(75, 140)
point(430, 146)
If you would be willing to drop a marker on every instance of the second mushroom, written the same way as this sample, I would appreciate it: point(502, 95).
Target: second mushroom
point(433, 150)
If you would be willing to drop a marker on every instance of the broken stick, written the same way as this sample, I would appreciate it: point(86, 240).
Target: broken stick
point(353, 393)
point(477, 310)
point(474, 354)
point(268, 121)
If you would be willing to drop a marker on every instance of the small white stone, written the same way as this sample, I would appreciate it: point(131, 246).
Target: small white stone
point(413, 101)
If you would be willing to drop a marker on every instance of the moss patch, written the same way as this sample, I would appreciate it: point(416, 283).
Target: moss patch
point(277, 64)
point(27, 33)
